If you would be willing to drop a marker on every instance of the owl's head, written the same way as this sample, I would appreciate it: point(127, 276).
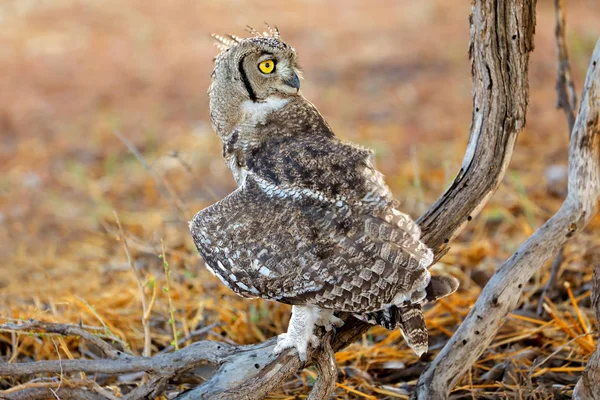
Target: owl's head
point(257, 69)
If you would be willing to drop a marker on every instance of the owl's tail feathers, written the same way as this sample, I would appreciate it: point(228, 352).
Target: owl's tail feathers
point(413, 328)
point(409, 317)
point(390, 318)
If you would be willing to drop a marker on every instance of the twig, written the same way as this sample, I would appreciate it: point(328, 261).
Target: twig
point(175, 343)
point(565, 88)
point(80, 325)
point(186, 165)
point(61, 374)
point(153, 388)
point(42, 389)
point(152, 301)
point(192, 335)
point(14, 338)
point(558, 260)
point(107, 331)
point(163, 185)
point(65, 330)
point(558, 350)
point(28, 385)
point(145, 309)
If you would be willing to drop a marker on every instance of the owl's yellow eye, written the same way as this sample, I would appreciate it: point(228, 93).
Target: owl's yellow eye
point(267, 66)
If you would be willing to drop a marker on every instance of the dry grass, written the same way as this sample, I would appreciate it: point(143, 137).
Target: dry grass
point(393, 76)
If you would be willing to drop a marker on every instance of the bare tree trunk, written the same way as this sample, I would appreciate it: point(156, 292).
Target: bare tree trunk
point(498, 298)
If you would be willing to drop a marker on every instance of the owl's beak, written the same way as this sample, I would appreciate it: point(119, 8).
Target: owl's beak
point(293, 81)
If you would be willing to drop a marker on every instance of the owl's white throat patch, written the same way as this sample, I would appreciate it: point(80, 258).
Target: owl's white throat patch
point(256, 111)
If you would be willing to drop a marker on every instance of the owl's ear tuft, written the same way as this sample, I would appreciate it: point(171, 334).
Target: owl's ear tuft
point(252, 31)
point(235, 38)
point(272, 31)
point(223, 43)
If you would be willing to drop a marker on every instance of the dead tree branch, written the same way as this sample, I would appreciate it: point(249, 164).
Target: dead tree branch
point(170, 364)
point(498, 297)
point(566, 98)
point(32, 326)
point(327, 368)
point(565, 88)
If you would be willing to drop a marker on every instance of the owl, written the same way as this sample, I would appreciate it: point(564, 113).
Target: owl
point(312, 222)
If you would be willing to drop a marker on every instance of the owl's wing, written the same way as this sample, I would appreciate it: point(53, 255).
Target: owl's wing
point(297, 246)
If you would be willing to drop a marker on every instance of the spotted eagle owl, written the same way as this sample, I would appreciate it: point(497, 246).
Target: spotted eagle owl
point(312, 222)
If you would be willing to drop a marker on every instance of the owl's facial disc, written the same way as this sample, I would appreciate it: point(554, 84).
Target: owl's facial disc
point(259, 71)
point(266, 74)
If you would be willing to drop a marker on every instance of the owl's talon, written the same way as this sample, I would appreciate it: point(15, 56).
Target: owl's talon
point(334, 333)
point(285, 341)
point(280, 338)
point(300, 332)
point(328, 321)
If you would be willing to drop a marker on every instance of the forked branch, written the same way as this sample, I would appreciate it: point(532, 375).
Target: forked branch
point(498, 298)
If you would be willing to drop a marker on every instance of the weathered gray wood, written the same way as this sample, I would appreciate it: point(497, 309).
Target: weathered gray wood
point(565, 88)
point(499, 297)
point(171, 364)
point(64, 393)
point(327, 368)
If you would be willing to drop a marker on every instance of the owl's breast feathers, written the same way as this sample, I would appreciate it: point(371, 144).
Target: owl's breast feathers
point(294, 146)
point(314, 223)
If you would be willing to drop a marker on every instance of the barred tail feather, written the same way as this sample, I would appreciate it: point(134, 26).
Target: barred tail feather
point(409, 317)
point(413, 328)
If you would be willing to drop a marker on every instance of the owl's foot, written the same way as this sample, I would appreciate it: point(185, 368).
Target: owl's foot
point(328, 321)
point(287, 341)
point(300, 332)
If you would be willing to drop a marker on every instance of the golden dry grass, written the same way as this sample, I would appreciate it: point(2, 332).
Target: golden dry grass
point(392, 75)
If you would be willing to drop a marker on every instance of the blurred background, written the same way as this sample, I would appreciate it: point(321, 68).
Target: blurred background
point(103, 108)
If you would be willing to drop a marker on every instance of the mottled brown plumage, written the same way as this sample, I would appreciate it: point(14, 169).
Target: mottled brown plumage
point(313, 223)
